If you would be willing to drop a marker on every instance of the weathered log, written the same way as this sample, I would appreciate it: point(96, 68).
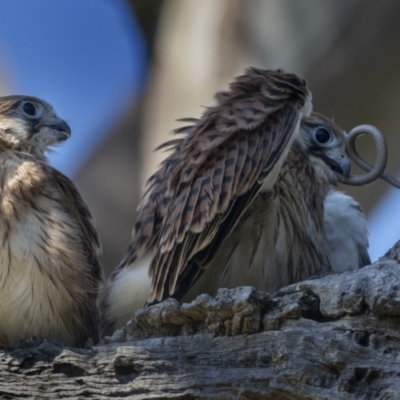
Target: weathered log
point(337, 337)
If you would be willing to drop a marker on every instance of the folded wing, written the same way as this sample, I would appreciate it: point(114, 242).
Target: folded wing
point(213, 174)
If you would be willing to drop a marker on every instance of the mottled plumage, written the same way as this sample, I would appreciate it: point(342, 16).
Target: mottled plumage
point(49, 268)
point(239, 201)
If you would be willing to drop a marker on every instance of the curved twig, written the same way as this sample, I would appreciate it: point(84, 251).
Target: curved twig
point(373, 172)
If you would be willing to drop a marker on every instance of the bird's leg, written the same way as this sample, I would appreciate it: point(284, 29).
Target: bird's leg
point(373, 172)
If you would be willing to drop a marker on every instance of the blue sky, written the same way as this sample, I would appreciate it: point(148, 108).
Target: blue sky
point(382, 223)
point(85, 57)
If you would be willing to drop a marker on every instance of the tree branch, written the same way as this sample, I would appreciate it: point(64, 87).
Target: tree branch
point(335, 337)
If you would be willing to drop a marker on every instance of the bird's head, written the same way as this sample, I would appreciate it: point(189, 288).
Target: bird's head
point(30, 125)
point(325, 142)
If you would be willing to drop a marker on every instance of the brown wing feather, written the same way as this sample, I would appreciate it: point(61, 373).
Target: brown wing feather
point(74, 204)
point(229, 209)
point(218, 162)
point(78, 208)
point(240, 162)
point(214, 172)
point(191, 209)
point(218, 232)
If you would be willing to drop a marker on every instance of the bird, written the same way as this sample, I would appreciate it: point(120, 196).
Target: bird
point(346, 230)
point(239, 201)
point(50, 273)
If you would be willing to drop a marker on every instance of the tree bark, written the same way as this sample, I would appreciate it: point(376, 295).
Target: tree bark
point(335, 337)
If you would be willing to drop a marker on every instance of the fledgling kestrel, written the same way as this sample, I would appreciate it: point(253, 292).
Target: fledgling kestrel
point(49, 268)
point(240, 201)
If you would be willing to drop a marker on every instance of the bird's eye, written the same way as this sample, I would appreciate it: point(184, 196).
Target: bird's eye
point(322, 135)
point(29, 109)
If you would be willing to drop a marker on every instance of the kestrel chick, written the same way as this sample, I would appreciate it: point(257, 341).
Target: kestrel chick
point(240, 200)
point(49, 268)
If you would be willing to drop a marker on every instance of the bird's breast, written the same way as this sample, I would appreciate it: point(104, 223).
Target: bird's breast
point(34, 299)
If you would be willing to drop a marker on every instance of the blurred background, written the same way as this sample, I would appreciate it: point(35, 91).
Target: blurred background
point(120, 72)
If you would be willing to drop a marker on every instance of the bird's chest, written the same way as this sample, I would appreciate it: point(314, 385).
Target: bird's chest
point(299, 201)
point(32, 299)
point(23, 244)
point(30, 220)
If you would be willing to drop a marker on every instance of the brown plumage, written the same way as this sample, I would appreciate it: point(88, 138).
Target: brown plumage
point(240, 199)
point(243, 138)
point(49, 268)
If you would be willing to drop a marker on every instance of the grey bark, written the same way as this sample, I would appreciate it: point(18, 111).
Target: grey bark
point(335, 337)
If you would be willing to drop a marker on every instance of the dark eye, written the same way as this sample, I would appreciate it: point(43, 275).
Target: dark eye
point(322, 135)
point(29, 109)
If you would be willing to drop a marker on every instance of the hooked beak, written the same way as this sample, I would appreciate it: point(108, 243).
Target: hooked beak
point(61, 129)
point(340, 165)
